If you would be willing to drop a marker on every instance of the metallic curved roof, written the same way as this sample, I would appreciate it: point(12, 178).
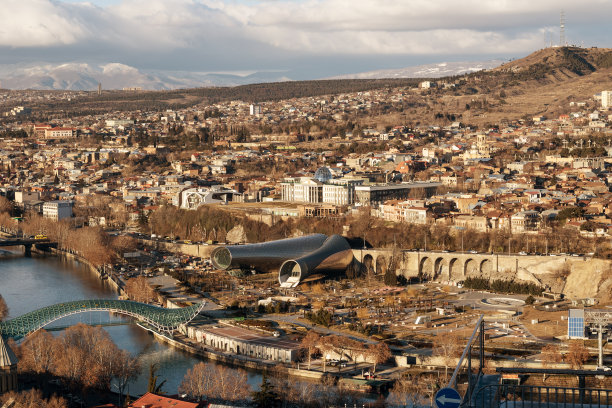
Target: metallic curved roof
point(293, 258)
point(265, 256)
point(335, 255)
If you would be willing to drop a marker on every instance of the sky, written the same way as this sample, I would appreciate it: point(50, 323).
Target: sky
point(305, 38)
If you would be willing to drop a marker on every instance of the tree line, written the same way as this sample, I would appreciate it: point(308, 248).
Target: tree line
point(213, 223)
point(313, 344)
point(83, 357)
point(503, 286)
point(91, 243)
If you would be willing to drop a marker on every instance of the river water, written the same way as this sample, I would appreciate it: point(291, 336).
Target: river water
point(28, 284)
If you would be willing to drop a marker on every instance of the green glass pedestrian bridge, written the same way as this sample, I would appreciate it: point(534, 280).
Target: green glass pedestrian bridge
point(159, 318)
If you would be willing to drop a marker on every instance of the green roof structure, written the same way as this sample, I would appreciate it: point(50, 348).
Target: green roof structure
point(159, 318)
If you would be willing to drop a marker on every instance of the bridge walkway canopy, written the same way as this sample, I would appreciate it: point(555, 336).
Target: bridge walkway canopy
point(160, 318)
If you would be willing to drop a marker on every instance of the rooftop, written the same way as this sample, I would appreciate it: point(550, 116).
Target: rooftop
point(249, 336)
point(156, 401)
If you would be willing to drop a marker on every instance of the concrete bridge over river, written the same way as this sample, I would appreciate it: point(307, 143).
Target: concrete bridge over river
point(27, 243)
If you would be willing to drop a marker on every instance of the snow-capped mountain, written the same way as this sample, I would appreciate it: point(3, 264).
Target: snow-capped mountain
point(83, 76)
point(439, 70)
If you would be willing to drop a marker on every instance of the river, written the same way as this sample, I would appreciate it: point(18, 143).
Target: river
point(28, 284)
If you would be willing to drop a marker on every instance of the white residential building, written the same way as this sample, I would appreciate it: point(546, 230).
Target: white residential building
point(25, 196)
point(606, 99)
point(57, 210)
point(415, 215)
point(118, 122)
point(60, 133)
point(192, 198)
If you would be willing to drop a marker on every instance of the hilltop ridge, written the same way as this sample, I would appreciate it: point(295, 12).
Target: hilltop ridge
point(566, 60)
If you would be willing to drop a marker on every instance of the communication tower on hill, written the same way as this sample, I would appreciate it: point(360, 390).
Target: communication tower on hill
point(562, 42)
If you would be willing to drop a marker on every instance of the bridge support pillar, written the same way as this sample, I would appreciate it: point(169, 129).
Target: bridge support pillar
point(28, 250)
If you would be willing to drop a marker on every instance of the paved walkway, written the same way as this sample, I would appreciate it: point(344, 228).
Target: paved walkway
point(319, 329)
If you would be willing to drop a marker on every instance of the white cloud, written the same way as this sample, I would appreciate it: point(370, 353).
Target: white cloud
point(306, 27)
point(39, 23)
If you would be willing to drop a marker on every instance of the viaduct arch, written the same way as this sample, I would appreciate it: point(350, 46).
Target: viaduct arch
point(457, 266)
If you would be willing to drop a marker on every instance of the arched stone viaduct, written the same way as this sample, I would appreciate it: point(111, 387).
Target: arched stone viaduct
point(456, 266)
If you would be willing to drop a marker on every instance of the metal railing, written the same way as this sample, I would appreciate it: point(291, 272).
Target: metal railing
point(526, 396)
point(475, 340)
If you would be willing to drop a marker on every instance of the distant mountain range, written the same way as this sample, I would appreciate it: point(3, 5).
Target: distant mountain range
point(439, 70)
point(84, 76)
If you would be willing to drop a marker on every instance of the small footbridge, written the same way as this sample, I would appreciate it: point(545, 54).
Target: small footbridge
point(161, 319)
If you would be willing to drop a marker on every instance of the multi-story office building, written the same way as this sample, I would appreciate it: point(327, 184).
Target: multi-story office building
point(375, 195)
point(310, 190)
point(57, 210)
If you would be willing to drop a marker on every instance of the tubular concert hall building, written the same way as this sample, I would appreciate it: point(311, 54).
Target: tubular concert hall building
point(296, 259)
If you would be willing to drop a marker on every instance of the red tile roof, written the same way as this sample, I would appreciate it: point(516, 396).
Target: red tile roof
point(156, 401)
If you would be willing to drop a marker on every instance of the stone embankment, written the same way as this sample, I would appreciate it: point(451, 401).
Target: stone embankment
point(236, 361)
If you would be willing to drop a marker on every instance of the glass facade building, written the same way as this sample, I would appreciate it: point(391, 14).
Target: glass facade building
point(575, 324)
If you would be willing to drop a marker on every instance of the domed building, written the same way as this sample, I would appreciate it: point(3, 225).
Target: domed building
point(8, 368)
point(323, 174)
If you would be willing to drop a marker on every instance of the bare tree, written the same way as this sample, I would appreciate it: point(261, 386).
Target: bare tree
point(124, 243)
point(405, 393)
point(37, 353)
point(138, 289)
point(551, 354)
point(215, 382)
point(4, 310)
point(32, 398)
point(125, 370)
point(5, 205)
point(447, 347)
point(231, 384)
point(379, 352)
point(354, 349)
point(309, 343)
point(85, 356)
point(198, 381)
point(325, 345)
point(577, 354)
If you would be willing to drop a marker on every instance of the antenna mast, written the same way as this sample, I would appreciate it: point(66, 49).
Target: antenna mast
point(562, 42)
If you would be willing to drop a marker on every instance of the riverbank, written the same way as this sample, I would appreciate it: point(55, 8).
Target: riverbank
point(112, 281)
point(178, 341)
point(235, 361)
